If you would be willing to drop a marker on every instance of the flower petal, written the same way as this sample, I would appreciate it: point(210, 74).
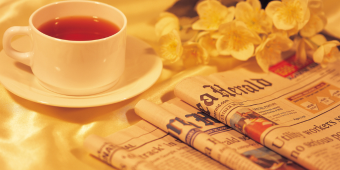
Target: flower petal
point(166, 24)
point(269, 51)
point(315, 24)
point(315, 6)
point(262, 62)
point(317, 40)
point(283, 24)
point(194, 54)
point(262, 45)
point(205, 7)
point(222, 45)
point(206, 40)
point(231, 14)
point(237, 38)
point(303, 3)
point(284, 42)
point(244, 53)
point(186, 32)
point(248, 34)
point(226, 27)
point(291, 13)
point(212, 14)
point(319, 54)
point(305, 20)
point(265, 59)
point(243, 11)
point(301, 51)
point(255, 19)
point(329, 45)
point(171, 47)
point(256, 4)
point(272, 8)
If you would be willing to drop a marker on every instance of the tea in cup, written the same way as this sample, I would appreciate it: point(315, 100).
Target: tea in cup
point(78, 46)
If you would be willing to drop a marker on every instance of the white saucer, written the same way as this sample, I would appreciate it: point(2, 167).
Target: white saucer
point(143, 67)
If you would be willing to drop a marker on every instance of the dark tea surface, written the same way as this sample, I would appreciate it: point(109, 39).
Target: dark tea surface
point(79, 28)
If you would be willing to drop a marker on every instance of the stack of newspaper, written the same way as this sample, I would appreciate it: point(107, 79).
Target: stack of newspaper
point(239, 119)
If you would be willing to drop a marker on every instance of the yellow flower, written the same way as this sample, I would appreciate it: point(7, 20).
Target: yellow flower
point(327, 53)
point(290, 32)
point(166, 23)
point(171, 47)
point(208, 42)
point(194, 54)
point(307, 46)
point(237, 40)
point(186, 32)
point(315, 6)
point(269, 51)
point(317, 19)
point(253, 16)
point(212, 14)
point(301, 51)
point(289, 13)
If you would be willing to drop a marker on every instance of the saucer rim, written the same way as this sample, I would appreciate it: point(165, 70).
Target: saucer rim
point(148, 80)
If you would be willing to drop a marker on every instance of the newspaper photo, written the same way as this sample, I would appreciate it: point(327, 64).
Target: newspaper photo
point(239, 119)
point(143, 146)
point(159, 148)
point(293, 110)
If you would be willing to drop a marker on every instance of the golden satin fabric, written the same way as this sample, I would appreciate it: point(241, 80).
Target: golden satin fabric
point(37, 136)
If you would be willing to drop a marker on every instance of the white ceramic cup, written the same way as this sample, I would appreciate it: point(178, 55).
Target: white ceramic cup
point(72, 67)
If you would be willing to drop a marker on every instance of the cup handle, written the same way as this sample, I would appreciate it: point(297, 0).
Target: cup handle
point(23, 57)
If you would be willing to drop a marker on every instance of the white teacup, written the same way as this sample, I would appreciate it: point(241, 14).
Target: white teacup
point(72, 67)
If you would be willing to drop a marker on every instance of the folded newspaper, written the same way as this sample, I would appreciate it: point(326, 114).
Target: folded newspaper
point(242, 119)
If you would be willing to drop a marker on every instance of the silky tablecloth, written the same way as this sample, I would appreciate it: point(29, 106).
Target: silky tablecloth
point(37, 136)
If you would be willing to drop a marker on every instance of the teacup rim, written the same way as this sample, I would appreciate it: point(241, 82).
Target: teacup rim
point(78, 42)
